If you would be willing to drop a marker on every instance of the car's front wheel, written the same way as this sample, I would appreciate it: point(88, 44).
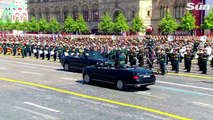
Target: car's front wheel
point(87, 79)
point(66, 67)
point(120, 85)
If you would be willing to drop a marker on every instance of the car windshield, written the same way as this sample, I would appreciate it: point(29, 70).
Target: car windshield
point(94, 55)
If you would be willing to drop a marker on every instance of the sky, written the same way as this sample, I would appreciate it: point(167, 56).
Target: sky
point(5, 3)
point(209, 2)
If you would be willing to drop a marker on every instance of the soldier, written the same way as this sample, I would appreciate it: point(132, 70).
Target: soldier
point(188, 60)
point(14, 46)
point(23, 50)
point(204, 60)
point(176, 61)
point(132, 57)
point(200, 55)
point(140, 57)
point(121, 60)
point(162, 61)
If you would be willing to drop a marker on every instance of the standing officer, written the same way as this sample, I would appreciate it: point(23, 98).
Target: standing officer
point(200, 55)
point(14, 49)
point(176, 61)
point(140, 57)
point(132, 57)
point(188, 60)
point(162, 61)
point(204, 60)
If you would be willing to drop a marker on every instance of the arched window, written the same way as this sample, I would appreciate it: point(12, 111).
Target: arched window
point(47, 14)
point(65, 12)
point(95, 12)
point(31, 13)
point(39, 16)
point(75, 12)
point(85, 12)
point(57, 13)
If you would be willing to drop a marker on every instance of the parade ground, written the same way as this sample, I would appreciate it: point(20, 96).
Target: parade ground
point(41, 90)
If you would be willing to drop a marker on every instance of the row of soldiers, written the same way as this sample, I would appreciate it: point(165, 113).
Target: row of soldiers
point(135, 51)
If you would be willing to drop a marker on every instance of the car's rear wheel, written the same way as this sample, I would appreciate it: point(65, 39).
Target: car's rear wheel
point(66, 67)
point(87, 79)
point(120, 85)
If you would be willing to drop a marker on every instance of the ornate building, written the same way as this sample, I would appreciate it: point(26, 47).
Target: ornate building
point(177, 8)
point(151, 11)
point(92, 10)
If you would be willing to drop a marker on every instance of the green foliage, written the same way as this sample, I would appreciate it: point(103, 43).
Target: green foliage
point(208, 23)
point(1, 24)
point(106, 23)
point(137, 24)
point(81, 25)
point(168, 24)
point(8, 25)
point(33, 25)
point(54, 26)
point(120, 23)
point(70, 25)
point(188, 22)
point(16, 25)
point(24, 25)
point(43, 25)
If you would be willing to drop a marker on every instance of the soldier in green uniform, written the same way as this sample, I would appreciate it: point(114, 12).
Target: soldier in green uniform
point(28, 48)
point(4, 48)
point(23, 50)
point(140, 57)
point(162, 61)
point(188, 60)
point(121, 60)
point(132, 57)
point(14, 46)
point(204, 61)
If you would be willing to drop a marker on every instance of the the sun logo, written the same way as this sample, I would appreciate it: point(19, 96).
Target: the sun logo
point(199, 6)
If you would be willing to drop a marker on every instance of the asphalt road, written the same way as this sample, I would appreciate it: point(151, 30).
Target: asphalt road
point(40, 90)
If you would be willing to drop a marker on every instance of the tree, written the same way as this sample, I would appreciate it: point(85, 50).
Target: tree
point(168, 24)
point(24, 25)
point(16, 25)
point(33, 25)
point(81, 25)
point(208, 23)
point(8, 25)
point(1, 24)
point(120, 23)
point(43, 25)
point(188, 22)
point(137, 24)
point(106, 23)
point(70, 25)
point(54, 26)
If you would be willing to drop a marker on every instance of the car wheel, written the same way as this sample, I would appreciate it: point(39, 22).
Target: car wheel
point(66, 67)
point(87, 79)
point(120, 85)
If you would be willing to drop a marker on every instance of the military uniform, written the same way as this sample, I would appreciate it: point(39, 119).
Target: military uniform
point(188, 61)
point(204, 60)
point(162, 62)
point(176, 62)
point(140, 57)
point(132, 57)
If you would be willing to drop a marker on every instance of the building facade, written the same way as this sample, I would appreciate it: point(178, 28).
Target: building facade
point(17, 10)
point(92, 10)
point(151, 11)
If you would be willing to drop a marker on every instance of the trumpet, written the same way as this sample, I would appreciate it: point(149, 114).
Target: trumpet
point(9, 51)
